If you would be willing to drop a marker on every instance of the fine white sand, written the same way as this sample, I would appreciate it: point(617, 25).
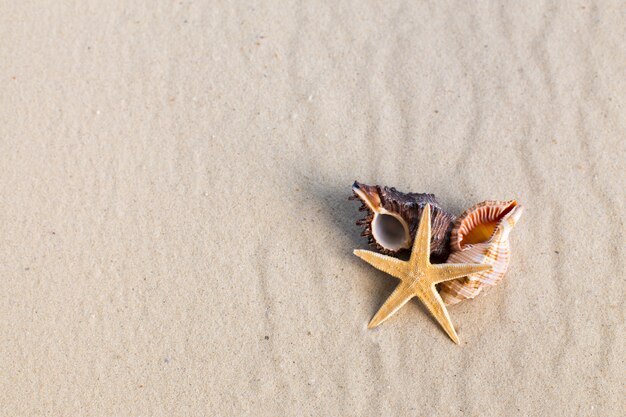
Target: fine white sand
point(176, 237)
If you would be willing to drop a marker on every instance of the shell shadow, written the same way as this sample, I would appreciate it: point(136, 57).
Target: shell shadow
point(341, 213)
point(338, 211)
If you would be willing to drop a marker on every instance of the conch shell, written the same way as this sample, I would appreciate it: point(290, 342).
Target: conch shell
point(480, 236)
point(393, 218)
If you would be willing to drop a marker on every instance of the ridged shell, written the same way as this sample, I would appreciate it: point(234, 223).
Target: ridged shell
point(480, 235)
point(406, 208)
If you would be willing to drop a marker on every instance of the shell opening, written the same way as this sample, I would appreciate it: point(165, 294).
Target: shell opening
point(486, 222)
point(391, 232)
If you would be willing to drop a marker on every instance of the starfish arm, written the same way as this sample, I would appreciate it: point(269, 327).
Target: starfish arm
point(397, 299)
point(433, 302)
point(420, 254)
point(392, 266)
point(446, 272)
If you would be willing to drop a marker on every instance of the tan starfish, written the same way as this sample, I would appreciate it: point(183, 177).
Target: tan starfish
point(418, 277)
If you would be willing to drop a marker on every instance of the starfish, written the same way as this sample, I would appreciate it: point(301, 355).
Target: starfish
point(418, 277)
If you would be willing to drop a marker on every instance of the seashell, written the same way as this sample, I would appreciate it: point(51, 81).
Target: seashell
point(393, 218)
point(480, 235)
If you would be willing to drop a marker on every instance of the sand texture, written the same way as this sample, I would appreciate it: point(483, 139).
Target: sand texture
point(176, 236)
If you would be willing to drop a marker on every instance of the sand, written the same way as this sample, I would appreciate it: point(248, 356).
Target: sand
point(176, 235)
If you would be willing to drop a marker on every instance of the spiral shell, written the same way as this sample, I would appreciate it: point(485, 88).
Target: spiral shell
point(480, 235)
point(393, 218)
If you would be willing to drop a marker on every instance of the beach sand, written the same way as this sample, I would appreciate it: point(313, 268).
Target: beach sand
point(176, 234)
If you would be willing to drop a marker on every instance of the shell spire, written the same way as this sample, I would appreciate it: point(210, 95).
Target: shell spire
point(393, 218)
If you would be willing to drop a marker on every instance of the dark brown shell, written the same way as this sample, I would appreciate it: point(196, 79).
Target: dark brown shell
point(408, 206)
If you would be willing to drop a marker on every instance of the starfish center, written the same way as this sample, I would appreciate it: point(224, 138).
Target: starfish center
point(416, 275)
